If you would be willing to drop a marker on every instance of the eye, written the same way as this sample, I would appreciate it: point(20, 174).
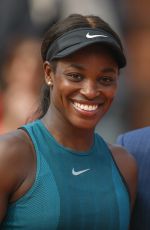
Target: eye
point(107, 80)
point(75, 77)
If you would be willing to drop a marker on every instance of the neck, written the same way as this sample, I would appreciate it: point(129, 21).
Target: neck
point(67, 134)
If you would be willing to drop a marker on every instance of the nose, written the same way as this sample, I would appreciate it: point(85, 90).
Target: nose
point(90, 90)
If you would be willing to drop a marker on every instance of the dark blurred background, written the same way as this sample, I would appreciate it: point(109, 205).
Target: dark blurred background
point(22, 26)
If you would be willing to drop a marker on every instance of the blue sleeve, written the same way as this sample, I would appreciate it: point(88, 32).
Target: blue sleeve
point(120, 140)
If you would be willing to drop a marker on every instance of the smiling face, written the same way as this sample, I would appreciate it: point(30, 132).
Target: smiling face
point(84, 85)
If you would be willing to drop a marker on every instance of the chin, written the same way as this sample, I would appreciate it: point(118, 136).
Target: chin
point(85, 124)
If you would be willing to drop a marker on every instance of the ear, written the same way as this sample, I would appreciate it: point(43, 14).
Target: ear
point(48, 73)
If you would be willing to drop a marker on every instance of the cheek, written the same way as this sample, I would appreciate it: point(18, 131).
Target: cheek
point(109, 96)
point(59, 93)
point(111, 93)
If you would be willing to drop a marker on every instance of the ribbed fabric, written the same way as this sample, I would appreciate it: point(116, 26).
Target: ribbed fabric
point(95, 199)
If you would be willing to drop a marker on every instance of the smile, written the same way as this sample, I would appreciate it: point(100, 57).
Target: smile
point(85, 107)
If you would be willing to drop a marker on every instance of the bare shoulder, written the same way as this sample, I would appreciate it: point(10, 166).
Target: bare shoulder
point(123, 157)
point(127, 166)
point(14, 145)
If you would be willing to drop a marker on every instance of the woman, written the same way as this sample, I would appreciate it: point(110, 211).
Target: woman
point(60, 174)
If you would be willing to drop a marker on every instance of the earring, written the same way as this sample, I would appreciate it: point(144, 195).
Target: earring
point(49, 83)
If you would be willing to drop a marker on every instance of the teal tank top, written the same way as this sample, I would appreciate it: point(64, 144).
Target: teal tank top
point(72, 190)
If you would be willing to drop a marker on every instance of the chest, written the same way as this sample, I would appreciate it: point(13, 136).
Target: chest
point(90, 192)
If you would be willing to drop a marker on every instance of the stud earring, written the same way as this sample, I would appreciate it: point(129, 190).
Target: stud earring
point(49, 83)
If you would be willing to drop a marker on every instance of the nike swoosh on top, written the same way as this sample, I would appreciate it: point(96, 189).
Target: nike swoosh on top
point(95, 35)
point(76, 173)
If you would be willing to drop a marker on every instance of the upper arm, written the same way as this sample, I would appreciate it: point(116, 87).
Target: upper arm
point(12, 169)
point(128, 168)
point(7, 182)
point(3, 200)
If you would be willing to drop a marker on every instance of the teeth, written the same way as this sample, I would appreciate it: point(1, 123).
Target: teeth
point(85, 107)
